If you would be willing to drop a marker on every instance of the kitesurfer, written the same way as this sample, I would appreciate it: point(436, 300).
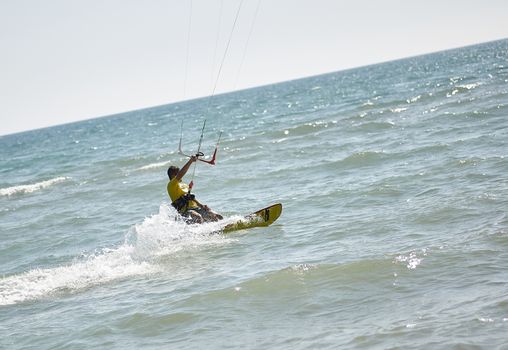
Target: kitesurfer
point(184, 202)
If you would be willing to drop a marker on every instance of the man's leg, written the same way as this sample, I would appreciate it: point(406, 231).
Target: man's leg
point(193, 217)
point(210, 215)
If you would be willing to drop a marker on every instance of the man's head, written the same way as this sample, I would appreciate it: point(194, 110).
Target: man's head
point(172, 171)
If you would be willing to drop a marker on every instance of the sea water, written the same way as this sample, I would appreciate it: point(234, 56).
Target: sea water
point(394, 233)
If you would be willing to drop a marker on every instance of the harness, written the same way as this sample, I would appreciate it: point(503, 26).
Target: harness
point(182, 202)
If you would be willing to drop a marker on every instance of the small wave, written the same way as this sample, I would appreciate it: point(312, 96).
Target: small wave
point(398, 109)
point(414, 99)
point(9, 191)
point(472, 161)
point(375, 126)
point(364, 158)
point(360, 159)
point(469, 86)
point(429, 149)
point(147, 245)
point(153, 166)
point(292, 277)
point(308, 128)
point(462, 88)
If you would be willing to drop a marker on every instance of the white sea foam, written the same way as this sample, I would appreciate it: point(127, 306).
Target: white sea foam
point(469, 86)
point(158, 236)
point(398, 109)
point(9, 191)
point(97, 269)
point(414, 99)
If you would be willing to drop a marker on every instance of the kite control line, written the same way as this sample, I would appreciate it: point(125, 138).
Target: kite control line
point(199, 154)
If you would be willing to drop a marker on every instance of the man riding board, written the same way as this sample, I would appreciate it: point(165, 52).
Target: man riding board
point(184, 202)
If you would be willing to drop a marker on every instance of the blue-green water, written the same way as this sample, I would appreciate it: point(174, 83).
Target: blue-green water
point(394, 181)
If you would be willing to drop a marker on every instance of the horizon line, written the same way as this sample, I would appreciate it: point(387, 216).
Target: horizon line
point(228, 92)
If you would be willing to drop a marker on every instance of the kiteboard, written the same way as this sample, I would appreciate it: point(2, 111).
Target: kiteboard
point(261, 218)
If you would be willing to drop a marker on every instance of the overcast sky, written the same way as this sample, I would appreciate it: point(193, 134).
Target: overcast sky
point(67, 60)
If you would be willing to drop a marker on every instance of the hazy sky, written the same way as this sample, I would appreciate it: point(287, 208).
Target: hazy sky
point(67, 60)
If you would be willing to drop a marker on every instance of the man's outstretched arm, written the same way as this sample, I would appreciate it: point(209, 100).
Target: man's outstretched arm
point(185, 168)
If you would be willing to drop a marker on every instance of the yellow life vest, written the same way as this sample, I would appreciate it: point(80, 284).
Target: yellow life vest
point(178, 189)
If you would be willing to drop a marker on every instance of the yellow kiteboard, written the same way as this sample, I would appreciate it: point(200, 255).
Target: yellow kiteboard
point(261, 218)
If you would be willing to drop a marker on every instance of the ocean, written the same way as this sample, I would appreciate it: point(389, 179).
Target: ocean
point(394, 232)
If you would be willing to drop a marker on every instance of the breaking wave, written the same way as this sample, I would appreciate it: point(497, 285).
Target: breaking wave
point(153, 166)
point(9, 191)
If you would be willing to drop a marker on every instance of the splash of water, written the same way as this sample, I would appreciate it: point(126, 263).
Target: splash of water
point(159, 235)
